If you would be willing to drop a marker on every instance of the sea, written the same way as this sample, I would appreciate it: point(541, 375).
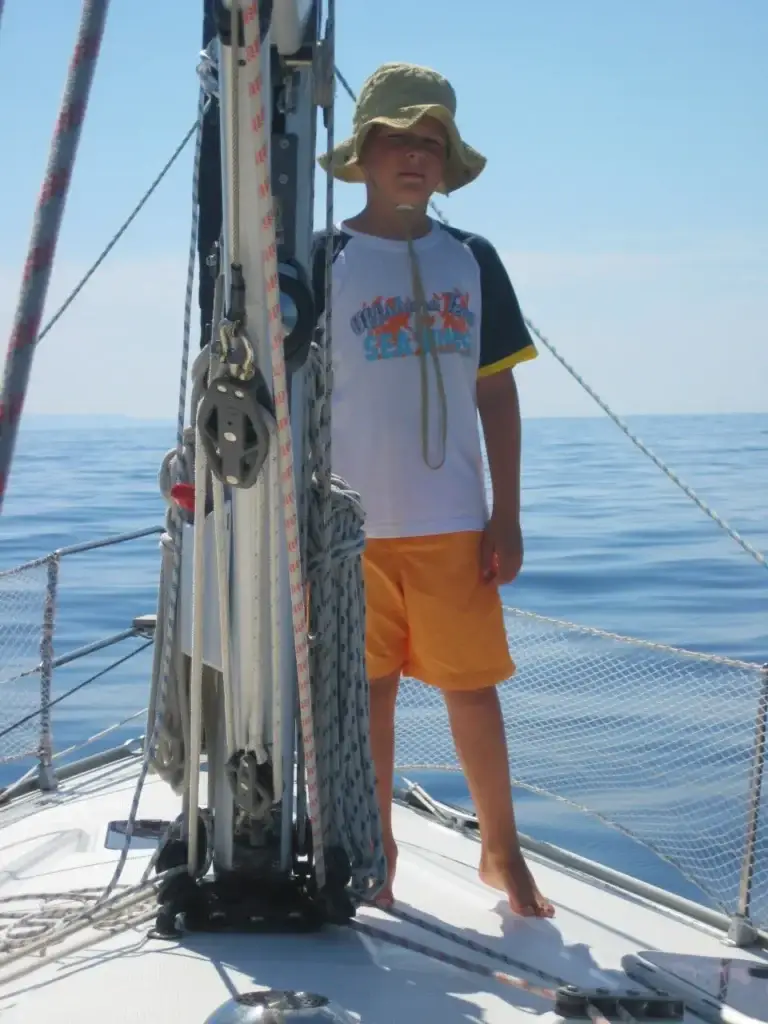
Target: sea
point(610, 542)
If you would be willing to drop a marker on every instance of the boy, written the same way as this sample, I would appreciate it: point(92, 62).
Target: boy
point(426, 328)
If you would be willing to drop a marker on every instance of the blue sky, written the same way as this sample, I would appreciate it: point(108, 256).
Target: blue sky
point(625, 188)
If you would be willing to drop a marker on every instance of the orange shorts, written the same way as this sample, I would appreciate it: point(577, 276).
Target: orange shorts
point(430, 615)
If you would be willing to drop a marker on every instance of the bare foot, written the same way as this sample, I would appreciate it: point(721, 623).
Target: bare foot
point(512, 876)
point(384, 898)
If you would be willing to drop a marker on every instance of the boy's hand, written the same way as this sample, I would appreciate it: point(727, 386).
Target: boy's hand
point(501, 550)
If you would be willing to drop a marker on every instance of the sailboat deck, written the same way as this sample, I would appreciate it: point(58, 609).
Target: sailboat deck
point(58, 845)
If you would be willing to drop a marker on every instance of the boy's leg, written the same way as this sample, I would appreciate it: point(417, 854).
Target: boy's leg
point(382, 703)
point(386, 643)
point(458, 643)
point(478, 732)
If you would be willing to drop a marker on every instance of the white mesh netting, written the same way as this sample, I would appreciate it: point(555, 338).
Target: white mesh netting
point(655, 741)
point(22, 597)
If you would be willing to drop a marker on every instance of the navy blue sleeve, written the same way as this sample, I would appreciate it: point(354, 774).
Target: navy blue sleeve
point(318, 263)
point(504, 337)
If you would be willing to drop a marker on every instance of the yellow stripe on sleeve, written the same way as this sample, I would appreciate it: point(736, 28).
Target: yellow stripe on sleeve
point(529, 352)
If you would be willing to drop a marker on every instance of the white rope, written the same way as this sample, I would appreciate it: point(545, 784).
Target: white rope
point(252, 70)
point(223, 550)
point(192, 788)
point(107, 909)
point(275, 626)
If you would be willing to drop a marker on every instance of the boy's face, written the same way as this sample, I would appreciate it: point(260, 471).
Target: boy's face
point(406, 166)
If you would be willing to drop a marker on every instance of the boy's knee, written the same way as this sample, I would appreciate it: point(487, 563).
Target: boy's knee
point(464, 700)
point(383, 691)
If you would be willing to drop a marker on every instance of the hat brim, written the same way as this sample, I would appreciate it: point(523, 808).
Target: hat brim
point(463, 163)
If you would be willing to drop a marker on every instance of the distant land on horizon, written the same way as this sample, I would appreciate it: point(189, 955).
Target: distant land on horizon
point(87, 421)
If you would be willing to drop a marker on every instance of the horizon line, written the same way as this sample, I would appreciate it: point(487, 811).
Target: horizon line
point(82, 417)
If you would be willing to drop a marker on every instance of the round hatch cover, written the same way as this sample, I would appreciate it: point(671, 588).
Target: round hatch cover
point(274, 1006)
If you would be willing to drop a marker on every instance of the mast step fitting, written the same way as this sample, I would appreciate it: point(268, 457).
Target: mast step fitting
point(574, 1003)
point(236, 419)
point(234, 903)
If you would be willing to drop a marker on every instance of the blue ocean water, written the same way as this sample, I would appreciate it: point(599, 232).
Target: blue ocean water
point(610, 542)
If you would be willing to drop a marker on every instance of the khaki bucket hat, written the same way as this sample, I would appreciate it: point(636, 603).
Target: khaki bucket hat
point(399, 95)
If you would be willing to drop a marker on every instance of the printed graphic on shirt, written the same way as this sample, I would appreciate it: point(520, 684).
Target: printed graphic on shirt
point(388, 329)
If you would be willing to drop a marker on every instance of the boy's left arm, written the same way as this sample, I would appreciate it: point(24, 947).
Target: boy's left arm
point(499, 408)
point(504, 342)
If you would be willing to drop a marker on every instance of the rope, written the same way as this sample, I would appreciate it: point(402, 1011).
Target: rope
point(427, 342)
point(106, 909)
point(170, 621)
point(333, 518)
point(31, 931)
point(194, 746)
point(750, 549)
point(337, 652)
point(222, 561)
point(167, 714)
point(234, 114)
point(252, 71)
point(334, 708)
point(521, 984)
point(45, 232)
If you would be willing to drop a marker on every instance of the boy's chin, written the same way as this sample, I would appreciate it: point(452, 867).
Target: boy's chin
point(411, 195)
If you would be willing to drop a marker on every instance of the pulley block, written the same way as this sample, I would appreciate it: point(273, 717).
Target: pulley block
point(235, 420)
point(251, 783)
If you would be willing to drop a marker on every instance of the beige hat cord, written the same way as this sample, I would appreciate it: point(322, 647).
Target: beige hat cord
point(425, 341)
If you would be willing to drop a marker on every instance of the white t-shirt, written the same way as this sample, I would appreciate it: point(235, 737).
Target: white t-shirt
point(376, 439)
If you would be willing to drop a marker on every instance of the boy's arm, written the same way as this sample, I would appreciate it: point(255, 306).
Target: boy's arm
point(499, 408)
point(504, 342)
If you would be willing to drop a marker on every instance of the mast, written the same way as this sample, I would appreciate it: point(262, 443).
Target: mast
point(247, 622)
point(263, 656)
point(273, 542)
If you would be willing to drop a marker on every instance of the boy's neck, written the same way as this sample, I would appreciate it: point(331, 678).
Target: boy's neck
point(390, 222)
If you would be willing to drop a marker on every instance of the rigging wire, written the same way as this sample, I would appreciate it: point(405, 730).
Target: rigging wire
point(45, 231)
point(118, 234)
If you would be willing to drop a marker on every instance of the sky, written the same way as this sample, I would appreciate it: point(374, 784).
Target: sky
point(625, 188)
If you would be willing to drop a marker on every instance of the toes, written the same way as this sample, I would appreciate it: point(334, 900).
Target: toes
point(384, 900)
point(544, 908)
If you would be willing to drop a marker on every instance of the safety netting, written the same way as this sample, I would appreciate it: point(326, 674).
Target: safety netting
point(660, 743)
point(22, 602)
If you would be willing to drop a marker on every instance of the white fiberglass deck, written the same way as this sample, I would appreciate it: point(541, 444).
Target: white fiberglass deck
point(59, 844)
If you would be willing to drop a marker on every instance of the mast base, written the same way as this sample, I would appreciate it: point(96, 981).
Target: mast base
point(244, 901)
